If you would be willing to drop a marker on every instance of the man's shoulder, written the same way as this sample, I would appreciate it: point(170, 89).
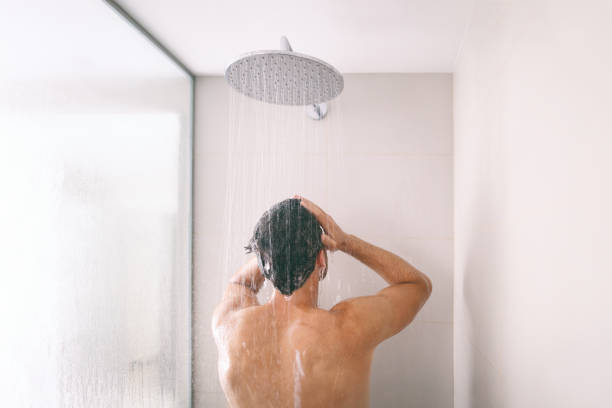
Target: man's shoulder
point(315, 318)
point(243, 313)
point(225, 318)
point(325, 322)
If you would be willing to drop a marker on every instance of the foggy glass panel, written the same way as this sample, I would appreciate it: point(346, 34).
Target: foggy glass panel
point(94, 212)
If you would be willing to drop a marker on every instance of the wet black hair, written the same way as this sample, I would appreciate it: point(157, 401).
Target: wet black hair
point(287, 240)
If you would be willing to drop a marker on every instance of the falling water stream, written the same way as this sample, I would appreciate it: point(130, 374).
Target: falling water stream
point(276, 151)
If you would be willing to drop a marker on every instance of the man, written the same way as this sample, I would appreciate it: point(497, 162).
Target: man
point(288, 352)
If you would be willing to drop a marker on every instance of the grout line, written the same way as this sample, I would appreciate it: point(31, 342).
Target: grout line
point(443, 322)
point(403, 154)
point(349, 154)
point(192, 237)
point(429, 238)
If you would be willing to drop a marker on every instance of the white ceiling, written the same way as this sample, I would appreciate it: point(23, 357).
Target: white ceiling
point(353, 35)
point(74, 39)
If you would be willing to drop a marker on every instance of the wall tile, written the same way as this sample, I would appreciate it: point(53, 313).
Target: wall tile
point(408, 196)
point(397, 113)
point(411, 369)
point(381, 165)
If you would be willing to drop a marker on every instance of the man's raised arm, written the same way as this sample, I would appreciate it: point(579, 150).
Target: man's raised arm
point(389, 266)
point(241, 291)
point(380, 316)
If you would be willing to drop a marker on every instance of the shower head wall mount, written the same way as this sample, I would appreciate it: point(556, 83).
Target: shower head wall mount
point(286, 77)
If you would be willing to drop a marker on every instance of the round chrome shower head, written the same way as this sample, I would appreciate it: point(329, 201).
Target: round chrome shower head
point(284, 77)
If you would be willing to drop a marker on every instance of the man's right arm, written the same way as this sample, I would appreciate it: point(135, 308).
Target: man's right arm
point(372, 319)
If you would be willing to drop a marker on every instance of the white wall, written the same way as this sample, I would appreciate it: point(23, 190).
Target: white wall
point(392, 186)
point(533, 192)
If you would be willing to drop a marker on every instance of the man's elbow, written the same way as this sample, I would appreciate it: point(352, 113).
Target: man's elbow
point(214, 322)
point(427, 286)
point(218, 316)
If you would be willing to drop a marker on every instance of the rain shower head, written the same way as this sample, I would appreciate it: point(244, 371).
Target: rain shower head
point(284, 77)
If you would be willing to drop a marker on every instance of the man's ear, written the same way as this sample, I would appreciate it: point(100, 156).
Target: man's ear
point(321, 261)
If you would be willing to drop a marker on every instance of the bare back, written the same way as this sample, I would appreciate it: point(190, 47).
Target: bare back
point(295, 358)
point(289, 353)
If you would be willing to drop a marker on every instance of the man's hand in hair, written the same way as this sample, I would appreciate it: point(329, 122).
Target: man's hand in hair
point(334, 237)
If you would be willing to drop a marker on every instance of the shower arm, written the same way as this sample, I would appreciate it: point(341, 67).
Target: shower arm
point(315, 111)
point(284, 44)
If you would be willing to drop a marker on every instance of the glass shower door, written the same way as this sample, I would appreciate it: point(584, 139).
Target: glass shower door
point(95, 237)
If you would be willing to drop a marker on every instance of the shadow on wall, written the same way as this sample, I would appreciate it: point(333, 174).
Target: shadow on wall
point(483, 292)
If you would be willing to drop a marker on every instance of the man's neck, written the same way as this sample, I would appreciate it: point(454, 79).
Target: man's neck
point(305, 297)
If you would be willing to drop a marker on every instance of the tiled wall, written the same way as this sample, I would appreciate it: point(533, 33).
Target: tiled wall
point(393, 187)
point(533, 192)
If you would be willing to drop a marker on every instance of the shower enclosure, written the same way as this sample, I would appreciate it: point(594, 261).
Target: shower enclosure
point(95, 170)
